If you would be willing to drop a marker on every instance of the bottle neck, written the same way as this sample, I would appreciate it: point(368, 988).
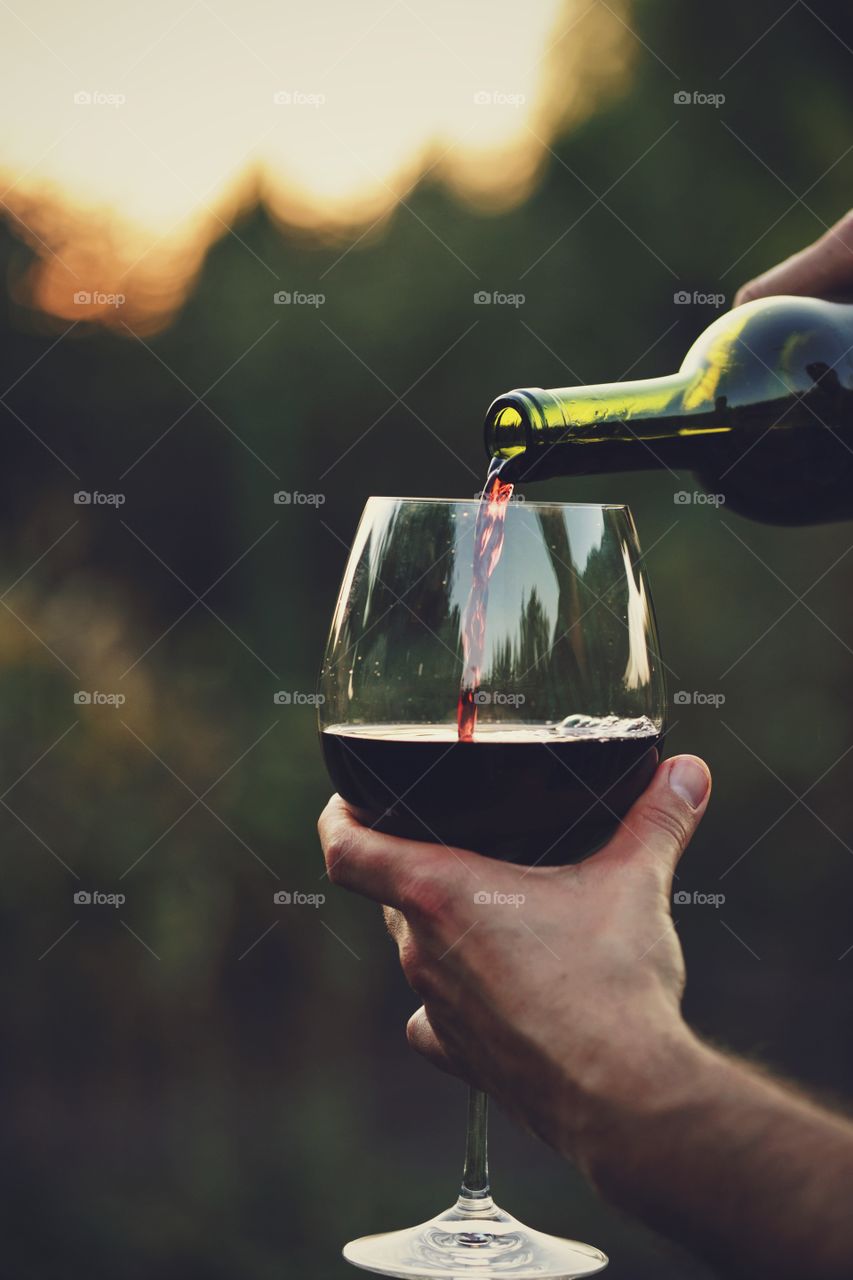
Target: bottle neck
point(627, 426)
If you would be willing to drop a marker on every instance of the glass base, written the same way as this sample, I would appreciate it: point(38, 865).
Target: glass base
point(475, 1237)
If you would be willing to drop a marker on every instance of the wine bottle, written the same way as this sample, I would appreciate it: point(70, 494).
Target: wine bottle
point(761, 409)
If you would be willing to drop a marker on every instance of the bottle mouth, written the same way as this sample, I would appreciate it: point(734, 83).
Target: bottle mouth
point(507, 429)
point(517, 427)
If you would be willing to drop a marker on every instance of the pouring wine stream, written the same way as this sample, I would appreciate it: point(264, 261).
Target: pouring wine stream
point(488, 545)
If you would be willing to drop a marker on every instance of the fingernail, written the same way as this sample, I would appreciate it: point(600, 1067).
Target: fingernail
point(689, 780)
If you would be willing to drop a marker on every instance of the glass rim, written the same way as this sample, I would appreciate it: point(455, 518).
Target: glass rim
point(475, 502)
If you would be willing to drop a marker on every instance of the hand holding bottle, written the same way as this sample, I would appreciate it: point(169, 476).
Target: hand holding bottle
point(761, 409)
point(822, 270)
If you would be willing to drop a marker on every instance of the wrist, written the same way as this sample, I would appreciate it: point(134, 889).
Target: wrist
point(648, 1076)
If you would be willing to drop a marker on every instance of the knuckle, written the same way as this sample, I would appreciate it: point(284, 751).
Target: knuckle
point(415, 968)
point(425, 896)
point(339, 847)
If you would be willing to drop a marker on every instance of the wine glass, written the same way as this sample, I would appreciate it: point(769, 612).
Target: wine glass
point(570, 704)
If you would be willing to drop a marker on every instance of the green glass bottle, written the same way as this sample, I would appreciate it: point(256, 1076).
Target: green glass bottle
point(761, 409)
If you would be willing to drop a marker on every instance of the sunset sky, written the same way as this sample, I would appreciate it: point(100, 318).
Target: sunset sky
point(149, 120)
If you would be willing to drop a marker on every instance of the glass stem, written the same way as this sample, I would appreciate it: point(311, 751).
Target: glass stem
point(475, 1195)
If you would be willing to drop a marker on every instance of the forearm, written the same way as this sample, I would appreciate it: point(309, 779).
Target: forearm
point(710, 1152)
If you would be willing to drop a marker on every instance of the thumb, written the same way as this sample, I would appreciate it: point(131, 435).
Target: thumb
point(659, 826)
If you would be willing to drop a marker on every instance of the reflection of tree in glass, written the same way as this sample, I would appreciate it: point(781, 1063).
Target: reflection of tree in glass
point(430, 540)
point(603, 588)
point(408, 573)
point(568, 665)
point(515, 662)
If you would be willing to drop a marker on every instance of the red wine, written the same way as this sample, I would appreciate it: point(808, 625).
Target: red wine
point(532, 794)
point(488, 544)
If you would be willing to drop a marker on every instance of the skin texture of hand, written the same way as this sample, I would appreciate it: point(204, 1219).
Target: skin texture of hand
point(539, 993)
point(823, 270)
point(559, 994)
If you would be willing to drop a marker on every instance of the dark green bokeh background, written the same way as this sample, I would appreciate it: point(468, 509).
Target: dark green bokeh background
point(212, 1110)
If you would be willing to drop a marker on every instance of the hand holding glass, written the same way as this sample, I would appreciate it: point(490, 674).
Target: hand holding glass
point(570, 709)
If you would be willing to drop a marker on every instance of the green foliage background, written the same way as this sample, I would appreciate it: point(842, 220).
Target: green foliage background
point(242, 1101)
